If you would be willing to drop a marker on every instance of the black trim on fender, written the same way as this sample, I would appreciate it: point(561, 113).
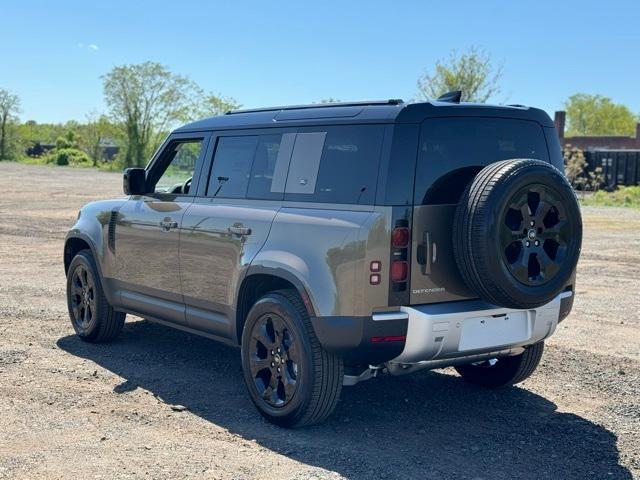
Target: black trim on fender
point(352, 337)
point(285, 275)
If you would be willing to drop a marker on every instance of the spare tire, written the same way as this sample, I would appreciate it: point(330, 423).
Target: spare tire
point(517, 233)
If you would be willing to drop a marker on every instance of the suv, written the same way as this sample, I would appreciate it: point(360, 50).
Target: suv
point(336, 242)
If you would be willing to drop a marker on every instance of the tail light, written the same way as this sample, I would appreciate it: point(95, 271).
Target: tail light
point(399, 271)
point(400, 237)
point(399, 268)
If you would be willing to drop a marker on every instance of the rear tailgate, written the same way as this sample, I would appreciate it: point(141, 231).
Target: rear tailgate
point(451, 152)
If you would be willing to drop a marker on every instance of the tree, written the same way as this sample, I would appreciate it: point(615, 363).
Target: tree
point(94, 134)
point(598, 115)
point(211, 105)
point(471, 72)
point(147, 99)
point(9, 109)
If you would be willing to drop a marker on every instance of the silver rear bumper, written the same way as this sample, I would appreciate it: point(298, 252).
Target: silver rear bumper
point(443, 334)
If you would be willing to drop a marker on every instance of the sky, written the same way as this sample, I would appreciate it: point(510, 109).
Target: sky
point(53, 54)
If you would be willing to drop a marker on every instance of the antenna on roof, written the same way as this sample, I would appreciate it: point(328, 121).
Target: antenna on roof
point(451, 97)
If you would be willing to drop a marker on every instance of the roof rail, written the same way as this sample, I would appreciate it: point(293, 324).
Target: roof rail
point(391, 101)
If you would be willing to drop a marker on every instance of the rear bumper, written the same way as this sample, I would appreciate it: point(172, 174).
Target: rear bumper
point(439, 334)
point(473, 328)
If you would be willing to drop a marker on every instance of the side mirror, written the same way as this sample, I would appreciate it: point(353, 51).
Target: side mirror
point(134, 181)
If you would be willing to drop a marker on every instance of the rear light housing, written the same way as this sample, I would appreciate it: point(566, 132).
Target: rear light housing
point(400, 253)
point(400, 237)
point(399, 271)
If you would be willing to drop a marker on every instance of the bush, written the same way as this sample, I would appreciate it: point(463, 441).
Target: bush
point(622, 197)
point(68, 156)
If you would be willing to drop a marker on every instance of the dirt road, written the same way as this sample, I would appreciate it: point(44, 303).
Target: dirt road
point(159, 403)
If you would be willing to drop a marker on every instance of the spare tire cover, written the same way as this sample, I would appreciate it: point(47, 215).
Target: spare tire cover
point(517, 233)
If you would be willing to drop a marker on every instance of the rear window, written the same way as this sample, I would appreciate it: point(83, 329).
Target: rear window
point(454, 147)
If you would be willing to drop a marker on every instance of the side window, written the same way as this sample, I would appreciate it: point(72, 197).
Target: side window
point(231, 166)
point(337, 164)
point(270, 164)
point(176, 166)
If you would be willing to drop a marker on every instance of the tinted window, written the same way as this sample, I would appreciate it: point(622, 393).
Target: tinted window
point(337, 164)
point(231, 167)
point(452, 148)
point(177, 166)
point(269, 171)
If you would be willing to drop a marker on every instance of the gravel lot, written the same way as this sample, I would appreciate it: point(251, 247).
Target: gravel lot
point(159, 403)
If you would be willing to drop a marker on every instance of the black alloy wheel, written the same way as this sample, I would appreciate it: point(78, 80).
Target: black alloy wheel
point(82, 296)
point(292, 380)
point(533, 235)
point(91, 315)
point(274, 359)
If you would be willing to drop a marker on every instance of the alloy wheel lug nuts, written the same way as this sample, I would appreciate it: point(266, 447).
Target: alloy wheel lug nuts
point(278, 369)
point(273, 364)
point(532, 223)
point(272, 352)
point(528, 243)
point(537, 243)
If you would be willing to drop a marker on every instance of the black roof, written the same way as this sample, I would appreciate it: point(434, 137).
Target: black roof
point(384, 111)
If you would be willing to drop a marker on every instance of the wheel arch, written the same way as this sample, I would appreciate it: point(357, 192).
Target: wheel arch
point(74, 243)
point(261, 280)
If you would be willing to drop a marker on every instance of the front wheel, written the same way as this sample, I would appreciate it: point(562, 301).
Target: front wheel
point(500, 372)
point(93, 319)
point(291, 379)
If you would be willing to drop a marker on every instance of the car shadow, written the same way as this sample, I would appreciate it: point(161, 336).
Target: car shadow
point(424, 425)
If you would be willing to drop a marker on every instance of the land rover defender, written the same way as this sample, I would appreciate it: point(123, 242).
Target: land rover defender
point(337, 242)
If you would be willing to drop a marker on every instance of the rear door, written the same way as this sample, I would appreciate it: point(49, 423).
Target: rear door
point(451, 151)
point(241, 191)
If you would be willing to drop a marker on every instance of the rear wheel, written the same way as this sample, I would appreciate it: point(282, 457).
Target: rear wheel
point(500, 372)
point(93, 319)
point(291, 379)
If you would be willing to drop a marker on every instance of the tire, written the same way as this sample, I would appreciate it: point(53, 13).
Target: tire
point(93, 319)
point(505, 371)
point(517, 233)
point(307, 387)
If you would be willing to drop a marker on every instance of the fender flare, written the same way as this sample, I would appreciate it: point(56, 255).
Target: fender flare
point(290, 277)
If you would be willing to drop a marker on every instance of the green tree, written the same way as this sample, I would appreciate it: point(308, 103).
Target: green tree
point(94, 134)
point(210, 105)
point(598, 115)
point(471, 72)
point(9, 109)
point(147, 99)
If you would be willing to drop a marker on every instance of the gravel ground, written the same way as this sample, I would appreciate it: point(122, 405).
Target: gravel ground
point(159, 403)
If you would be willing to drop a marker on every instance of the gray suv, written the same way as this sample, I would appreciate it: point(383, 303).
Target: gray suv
point(337, 242)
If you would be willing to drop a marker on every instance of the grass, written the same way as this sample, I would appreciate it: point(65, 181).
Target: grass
point(622, 197)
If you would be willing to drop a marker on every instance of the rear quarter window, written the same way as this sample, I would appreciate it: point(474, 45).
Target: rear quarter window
point(335, 164)
point(452, 149)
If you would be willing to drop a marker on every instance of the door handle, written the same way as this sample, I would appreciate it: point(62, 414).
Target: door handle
point(167, 224)
point(239, 230)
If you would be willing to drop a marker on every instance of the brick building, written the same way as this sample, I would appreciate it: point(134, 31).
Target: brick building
point(604, 142)
point(618, 156)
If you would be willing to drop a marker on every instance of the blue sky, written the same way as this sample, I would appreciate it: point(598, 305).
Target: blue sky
point(52, 54)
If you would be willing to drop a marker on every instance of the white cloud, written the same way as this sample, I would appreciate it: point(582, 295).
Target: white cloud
point(90, 46)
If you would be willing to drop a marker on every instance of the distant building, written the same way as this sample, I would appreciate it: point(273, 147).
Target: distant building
point(618, 156)
point(596, 142)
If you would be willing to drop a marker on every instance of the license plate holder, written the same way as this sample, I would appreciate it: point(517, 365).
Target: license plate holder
point(487, 332)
